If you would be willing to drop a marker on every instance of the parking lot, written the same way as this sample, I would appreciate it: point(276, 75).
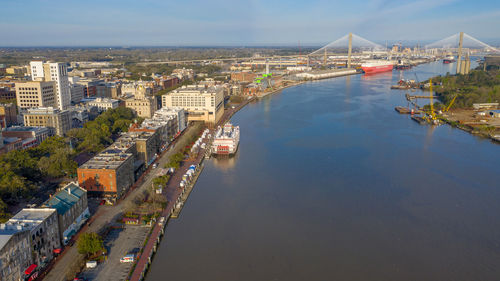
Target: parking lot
point(119, 242)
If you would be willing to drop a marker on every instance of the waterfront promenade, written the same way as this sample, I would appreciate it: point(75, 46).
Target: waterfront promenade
point(173, 193)
point(70, 258)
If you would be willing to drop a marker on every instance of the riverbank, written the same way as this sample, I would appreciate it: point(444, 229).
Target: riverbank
point(475, 122)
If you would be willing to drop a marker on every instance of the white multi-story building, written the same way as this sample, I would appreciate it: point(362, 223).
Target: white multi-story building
point(103, 104)
point(166, 113)
point(202, 103)
point(57, 72)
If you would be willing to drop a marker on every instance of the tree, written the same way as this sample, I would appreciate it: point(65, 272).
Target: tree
point(21, 163)
point(4, 215)
point(90, 244)
point(121, 125)
point(58, 164)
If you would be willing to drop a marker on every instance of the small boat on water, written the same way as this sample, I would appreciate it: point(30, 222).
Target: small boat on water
point(449, 59)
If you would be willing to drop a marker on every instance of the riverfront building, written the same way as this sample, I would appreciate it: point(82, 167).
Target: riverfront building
point(147, 145)
point(109, 174)
point(201, 103)
point(168, 122)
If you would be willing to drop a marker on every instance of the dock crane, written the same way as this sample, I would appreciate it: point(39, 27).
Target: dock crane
point(450, 104)
point(433, 117)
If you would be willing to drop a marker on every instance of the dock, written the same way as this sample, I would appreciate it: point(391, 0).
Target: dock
point(402, 110)
point(181, 200)
point(419, 120)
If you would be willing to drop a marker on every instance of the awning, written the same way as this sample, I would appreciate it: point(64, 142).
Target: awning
point(30, 269)
point(71, 233)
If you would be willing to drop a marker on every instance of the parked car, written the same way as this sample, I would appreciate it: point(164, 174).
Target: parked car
point(91, 264)
point(128, 258)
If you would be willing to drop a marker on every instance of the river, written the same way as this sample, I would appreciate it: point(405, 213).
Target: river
point(330, 183)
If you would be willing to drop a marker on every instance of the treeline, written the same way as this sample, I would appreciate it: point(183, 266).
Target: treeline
point(97, 134)
point(139, 70)
point(476, 87)
point(22, 172)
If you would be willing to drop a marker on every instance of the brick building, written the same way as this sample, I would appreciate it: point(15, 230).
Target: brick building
point(109, 174)
point(248, 77)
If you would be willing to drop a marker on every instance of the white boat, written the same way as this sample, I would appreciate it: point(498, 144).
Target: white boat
point(226, 140)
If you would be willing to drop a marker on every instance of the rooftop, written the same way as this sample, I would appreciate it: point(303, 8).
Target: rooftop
point(110, 158)
point(196, 90)
point(65, 198)
point(44, 110)
point(34, 215)
point(25, 129)
point(100, 100)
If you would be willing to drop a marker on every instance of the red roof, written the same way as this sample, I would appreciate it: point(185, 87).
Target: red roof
point(30, 269)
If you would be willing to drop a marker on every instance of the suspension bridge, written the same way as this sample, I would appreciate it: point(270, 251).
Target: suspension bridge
point(352, 46)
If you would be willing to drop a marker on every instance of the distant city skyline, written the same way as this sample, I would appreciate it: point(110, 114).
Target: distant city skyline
point(241, 23)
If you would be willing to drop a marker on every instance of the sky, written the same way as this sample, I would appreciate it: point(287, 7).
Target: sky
point(241, 23)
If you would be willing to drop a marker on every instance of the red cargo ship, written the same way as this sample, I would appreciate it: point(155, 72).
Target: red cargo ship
point(377, 66)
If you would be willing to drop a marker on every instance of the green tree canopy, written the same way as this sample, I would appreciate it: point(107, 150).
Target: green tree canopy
point(90, 244)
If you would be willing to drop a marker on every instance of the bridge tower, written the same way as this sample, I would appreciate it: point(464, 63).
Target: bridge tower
point(460, 44)
point(349, 52)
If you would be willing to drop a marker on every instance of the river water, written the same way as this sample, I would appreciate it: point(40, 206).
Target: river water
point(330, 183)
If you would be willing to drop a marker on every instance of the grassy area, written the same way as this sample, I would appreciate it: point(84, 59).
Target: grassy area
point(476, 87)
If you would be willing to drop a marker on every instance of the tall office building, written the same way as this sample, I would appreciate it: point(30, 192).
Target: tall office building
point(57, 72)
point(35, 94)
